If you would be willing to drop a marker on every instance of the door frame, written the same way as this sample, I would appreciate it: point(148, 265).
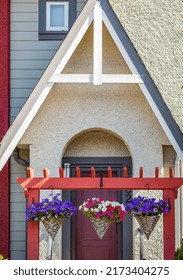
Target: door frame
point(125, 249)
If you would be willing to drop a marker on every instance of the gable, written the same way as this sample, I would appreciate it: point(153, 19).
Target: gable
point(53, 74)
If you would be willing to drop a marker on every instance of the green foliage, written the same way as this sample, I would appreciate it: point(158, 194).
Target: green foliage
point(1, 257)
point(179, 253)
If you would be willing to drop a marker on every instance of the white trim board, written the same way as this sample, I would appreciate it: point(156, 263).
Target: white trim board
point(97, 10)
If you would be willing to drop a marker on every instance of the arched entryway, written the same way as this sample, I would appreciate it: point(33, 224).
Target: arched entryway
point(100, 149)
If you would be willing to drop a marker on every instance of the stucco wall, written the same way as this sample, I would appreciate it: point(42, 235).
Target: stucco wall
point(95, 143)
point(118, 109)
point(155, 28)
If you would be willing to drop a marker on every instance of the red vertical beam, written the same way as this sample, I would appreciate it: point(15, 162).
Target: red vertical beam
point(169, 226)
point(141, 172)
point(78, 172)
point(4, 124)
point(33, 229)
point(93, 173)
point(125, 172)
point(61, 172)
point(109, 171)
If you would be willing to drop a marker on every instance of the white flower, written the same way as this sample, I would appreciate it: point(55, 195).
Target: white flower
point(96, 210)
point(85, 209)
point(91, 209)
point(80, 207)
point(104, 209)
point(106, 203)
point(122, 207)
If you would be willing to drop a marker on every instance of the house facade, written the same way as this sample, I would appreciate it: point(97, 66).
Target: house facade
point(103, 87)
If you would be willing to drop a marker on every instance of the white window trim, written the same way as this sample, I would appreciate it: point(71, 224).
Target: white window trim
point(66, 16)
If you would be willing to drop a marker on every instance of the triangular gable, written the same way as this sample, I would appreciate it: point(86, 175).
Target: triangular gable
point(97, 11)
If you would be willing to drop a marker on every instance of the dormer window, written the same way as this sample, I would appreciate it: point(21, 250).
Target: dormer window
point(56, 18)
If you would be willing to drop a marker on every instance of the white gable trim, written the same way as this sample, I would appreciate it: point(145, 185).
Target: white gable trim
point(53, 74)
point(97, 45)
point(89, 78)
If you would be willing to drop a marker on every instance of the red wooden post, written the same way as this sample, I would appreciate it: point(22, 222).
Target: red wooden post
point(125, 172)
point(78, 172)
point(169, 226)
point(93, 173)
point(156, 172)
point(30, 172)
point(45, 172)
point(109, 171)
point(141, 172)
point(61, 172)
point(170, 172)
point(33, 229)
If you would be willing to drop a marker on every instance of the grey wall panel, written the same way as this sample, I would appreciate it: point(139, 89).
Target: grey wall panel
point(24, 7)
point(17, 216)
point(18, 255)
point(16, 83)
point(35, 45)
point(29, 64)
point(21, 26)
point(17, 207)
point(22, 35)
point(17, 102)
point(28, 17)
point(20, 226)
point(39, 55)
point(18, 246)
point(17, 197)
point(17, 213)
point(20, 92)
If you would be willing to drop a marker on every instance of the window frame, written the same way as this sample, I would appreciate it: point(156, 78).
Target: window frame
point(66, 16)
point(46, 35)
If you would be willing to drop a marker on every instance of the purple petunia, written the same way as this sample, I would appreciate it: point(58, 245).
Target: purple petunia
point(50, 208)
point(146, 206)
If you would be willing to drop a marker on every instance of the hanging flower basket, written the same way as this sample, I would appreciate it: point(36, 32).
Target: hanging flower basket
point(51, 213)
point(147, 212)
point(101, 213)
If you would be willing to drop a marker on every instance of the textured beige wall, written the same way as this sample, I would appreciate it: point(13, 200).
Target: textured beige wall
point(120, 110)
point(155, 28)
point(95, 143)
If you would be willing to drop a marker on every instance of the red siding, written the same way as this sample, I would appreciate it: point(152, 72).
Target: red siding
point(4, 123)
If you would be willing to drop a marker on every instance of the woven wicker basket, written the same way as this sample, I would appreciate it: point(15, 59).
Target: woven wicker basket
point(100, 226)
point(147, 223)
point(52, 226)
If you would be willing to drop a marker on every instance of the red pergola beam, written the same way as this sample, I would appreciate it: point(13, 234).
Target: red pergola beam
point(94, 183)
